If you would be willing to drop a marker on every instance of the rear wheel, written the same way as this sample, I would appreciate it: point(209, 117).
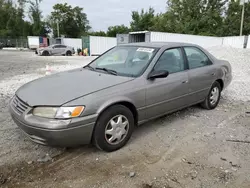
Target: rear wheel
point(213, 98)
point(113, 128)
point(45, 53)
point(68, 53)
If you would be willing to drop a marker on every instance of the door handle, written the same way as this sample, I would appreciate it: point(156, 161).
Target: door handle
point(185, 81)
point(213, 74)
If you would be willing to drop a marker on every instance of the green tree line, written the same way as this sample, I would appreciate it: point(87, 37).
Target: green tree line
point(199, 17)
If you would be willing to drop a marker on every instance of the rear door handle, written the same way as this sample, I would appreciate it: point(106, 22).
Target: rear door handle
point(213, 74)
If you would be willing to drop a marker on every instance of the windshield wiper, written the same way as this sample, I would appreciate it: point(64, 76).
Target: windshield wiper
point(110, 71)
point(88, 66)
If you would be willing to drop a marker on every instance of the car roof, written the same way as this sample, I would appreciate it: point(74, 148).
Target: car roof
point(160, 44)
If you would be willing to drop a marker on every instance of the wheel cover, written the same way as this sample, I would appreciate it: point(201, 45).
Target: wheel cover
point(116, 129)
point(214, 96)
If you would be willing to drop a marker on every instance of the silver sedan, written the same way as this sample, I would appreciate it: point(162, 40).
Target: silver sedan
point(102, 102)
point(56, 49)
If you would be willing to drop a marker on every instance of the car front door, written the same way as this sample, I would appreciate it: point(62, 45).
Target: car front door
point(168, 94)
point(62, 49)
point(202, 73)
point(56, 50)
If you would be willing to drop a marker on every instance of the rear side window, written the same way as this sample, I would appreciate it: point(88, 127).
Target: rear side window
point(196, 58)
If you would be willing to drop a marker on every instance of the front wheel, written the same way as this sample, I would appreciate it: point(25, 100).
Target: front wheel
point(68, 53)
point(113, 128)
point(213, 98)
point(45, 53)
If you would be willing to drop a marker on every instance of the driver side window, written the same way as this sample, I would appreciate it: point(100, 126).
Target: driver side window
point(171, 60)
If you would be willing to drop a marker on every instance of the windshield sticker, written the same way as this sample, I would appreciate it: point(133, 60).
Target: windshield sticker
point(149, 50)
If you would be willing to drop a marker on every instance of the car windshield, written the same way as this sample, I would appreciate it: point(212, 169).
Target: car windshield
point(128, 61)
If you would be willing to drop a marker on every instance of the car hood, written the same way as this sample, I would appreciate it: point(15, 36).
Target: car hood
point(60, 88)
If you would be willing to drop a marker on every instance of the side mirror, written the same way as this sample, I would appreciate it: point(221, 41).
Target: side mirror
point(158, 74)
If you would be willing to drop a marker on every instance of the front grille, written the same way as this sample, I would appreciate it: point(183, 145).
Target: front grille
point(19, 105)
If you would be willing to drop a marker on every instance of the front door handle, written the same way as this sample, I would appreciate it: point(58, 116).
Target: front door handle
point(185, 81)
point(213, 74)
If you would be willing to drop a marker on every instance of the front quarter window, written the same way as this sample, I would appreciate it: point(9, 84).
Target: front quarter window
point(125, 60)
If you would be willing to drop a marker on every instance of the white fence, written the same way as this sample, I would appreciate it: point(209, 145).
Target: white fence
point(235, 41)
point(203, 41)
point(98, 45)
point(76, 43)
point(248, 42)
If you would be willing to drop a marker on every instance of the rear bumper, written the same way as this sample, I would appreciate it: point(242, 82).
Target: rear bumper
point(77, 132)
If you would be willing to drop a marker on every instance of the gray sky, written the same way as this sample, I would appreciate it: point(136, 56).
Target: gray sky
point(105, 13)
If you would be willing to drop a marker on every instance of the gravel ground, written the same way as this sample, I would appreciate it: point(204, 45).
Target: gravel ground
point(190, 148)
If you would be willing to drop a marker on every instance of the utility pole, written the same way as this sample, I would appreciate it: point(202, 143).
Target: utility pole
point(58, 32)
point(242, 17)
point(242, 2)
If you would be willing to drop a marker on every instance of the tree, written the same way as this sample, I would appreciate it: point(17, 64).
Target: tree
point(164, 22)
point(12, 22)
point(212, 17)
point(142, 21)
point(202, 17)
point(35, 14)
point(118, 29)
point(72, 22)
point(246, 26)
point(231, 26)
point(97, 33)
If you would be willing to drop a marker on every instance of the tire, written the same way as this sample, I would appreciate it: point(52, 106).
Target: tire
point(210, 103)
point(102, 136)
point(45, 53)
point(68, 53)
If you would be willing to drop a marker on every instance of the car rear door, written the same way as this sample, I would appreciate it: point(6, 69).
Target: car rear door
point(167, 94)
point(201, 73)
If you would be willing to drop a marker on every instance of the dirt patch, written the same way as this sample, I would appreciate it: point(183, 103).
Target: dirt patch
point(189, 148)
point(188, 162)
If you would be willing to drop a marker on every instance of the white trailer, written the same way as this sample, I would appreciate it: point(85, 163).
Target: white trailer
point(99, 45)
point(33, 42)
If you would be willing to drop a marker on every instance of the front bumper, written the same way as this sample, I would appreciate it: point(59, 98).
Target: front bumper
point(78, 131)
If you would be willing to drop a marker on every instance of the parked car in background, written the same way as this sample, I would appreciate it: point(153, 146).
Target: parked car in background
point(1, 45)
point(125, 87)
point(56, 49)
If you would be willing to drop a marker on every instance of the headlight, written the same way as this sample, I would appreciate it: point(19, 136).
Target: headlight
point(47, 112)
point(58, 113)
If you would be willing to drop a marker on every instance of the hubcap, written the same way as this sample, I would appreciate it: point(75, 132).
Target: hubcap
point(214, 96)
point(116, 129)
